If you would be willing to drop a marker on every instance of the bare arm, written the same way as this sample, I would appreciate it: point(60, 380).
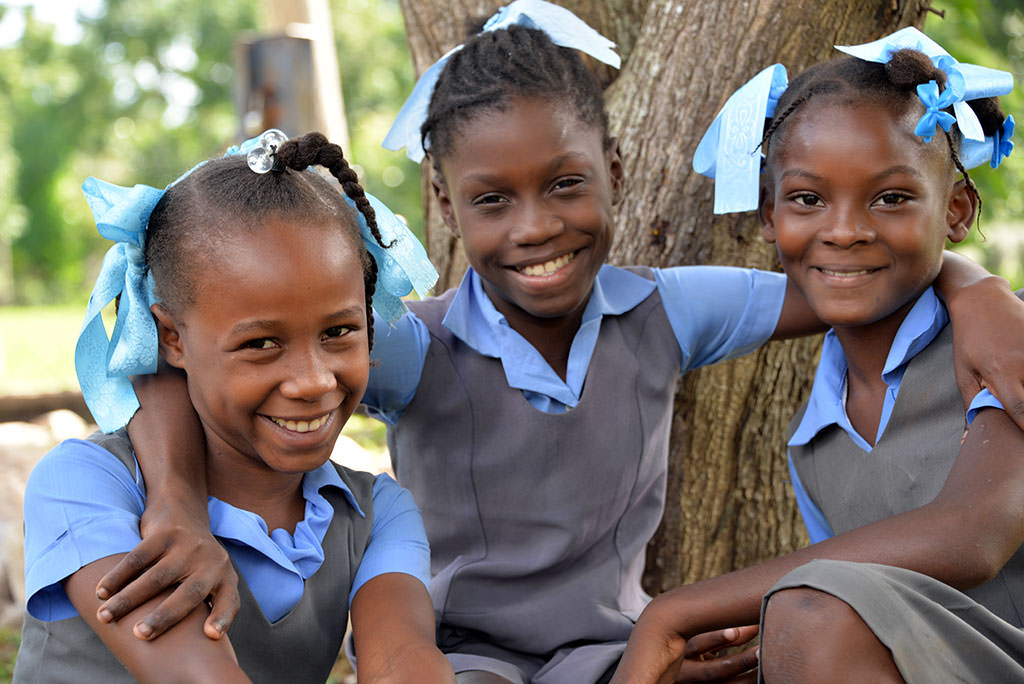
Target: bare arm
point(962, 538)
point(988, 324)
point(157, 661)
point(393, 632)
point(177, 546)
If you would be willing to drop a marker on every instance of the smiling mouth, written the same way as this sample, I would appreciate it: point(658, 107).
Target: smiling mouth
point(301, 425)
point(548, 267)
point(847, 274)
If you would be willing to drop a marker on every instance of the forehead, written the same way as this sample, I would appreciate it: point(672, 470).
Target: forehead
point(289, 264)
point(525, 130)
point(863, 132)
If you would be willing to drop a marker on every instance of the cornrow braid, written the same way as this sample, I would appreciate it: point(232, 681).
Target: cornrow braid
point(893, 84)
point(315, 149)
point(496, 66)
point(225, 195)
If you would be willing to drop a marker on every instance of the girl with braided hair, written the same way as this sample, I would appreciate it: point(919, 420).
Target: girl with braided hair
point(916, 569)
point(263, 296)
point(529, 408)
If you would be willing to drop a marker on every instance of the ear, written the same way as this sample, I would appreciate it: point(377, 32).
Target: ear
point(170, 339)
point(445, 202)
point(766, 212)
point(961, 211)
point(615, 173)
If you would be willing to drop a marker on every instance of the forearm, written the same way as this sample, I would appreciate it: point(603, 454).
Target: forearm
point(393, 633)
point(959, 272)
point(159, 660)
point(168, 442)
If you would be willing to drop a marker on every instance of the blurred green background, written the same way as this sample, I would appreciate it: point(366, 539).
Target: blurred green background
point(135, 92)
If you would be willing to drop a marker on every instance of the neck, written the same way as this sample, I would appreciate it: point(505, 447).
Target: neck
point(866, 349)
point(246, 483)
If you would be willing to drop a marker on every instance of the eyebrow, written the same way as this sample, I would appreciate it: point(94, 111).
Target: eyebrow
point(554, 164)
point(891, 171)
point(260, 325)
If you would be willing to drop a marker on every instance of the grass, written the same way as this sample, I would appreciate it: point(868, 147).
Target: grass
point(37, 349)
point(9, 639)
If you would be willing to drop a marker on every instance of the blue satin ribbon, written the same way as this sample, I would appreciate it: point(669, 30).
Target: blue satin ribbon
point(104, 365)
point(562, 26)
point(727, 152)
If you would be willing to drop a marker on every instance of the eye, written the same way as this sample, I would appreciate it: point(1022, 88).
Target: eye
point(567, 183)
point(489, 199)
point(807, 199)
point(258, 343)
point(891, 199)
point(336, 331)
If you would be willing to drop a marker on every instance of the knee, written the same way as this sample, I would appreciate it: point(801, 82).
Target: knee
point(800, 640)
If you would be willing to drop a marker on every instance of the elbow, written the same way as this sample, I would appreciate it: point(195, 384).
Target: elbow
point(983, 543)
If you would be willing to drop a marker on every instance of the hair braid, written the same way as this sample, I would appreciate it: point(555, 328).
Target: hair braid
point(494, 67)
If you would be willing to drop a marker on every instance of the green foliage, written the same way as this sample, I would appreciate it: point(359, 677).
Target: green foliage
point(144, 94)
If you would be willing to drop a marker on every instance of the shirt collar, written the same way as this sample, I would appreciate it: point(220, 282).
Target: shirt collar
point(826, 405)
point(473, 318)
point(327, 476)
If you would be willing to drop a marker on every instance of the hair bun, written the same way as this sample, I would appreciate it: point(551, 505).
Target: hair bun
point(908, 68)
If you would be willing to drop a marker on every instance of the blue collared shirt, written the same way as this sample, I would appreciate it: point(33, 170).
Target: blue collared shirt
point(82, 504)
point(827, 406)
point(716, 312)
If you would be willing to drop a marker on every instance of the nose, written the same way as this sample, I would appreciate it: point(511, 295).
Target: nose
point(847, 227)
point(535, 224)
point(310, 376)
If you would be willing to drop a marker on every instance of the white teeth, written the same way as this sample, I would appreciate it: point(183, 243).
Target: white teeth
point(845, 274)
point(301, 425)
point(548, 267)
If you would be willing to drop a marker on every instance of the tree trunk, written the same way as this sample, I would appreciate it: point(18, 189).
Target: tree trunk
point(730, 503)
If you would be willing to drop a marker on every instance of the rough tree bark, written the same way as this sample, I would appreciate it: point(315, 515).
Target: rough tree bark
point(729, 500)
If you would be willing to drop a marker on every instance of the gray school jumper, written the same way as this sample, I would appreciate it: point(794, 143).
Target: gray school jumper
point(538, 522)
point(300, 647)
point(934, 631)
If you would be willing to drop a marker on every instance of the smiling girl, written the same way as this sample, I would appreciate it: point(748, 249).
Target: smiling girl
point(918, 570)
point(263, 291)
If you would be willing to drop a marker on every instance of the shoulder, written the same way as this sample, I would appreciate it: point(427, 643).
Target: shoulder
point(78, 464)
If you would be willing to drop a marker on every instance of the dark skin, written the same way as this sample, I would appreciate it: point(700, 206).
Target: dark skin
point(254, 362)
point(548, 320)
point(859, 221)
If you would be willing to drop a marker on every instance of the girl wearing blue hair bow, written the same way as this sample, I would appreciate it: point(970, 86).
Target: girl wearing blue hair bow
point(500, 395)
point(917, 573)
point(263, 293)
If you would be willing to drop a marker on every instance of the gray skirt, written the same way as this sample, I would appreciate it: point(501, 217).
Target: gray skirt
point(935, 633)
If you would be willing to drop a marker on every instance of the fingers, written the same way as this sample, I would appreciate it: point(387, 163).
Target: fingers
point(225, 604)
point(128, 568)
point(719, 639)
point(737, 667)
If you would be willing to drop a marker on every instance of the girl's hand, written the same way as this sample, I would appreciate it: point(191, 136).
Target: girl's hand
point(703, 663)
point(176, 548)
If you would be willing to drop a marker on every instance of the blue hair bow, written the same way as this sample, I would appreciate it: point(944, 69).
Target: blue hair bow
point(562, 26)
point(104, 366)
point(968, 81)
point(122, 214)
point(727, 150)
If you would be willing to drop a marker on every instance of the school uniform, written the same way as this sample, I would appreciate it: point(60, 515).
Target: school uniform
point(84, 500)
point(935, 632)
point(539, 495)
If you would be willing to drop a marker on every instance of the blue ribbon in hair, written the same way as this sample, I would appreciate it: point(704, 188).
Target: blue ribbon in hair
point(104, 365)
point(562, 26)
point(727, 150)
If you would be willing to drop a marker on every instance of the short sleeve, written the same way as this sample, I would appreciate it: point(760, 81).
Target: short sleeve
point(399, 351)
point(81, 504)
point(983, 399)
point(398, 540)
point(817, 526)
point(720, 312)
